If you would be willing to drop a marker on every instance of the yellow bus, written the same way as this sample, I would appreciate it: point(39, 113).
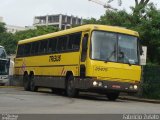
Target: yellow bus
point(94, 58)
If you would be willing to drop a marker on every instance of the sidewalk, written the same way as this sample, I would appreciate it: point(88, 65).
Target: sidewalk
point(134, 98)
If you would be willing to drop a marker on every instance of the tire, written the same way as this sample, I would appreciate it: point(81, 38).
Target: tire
point(112, 96)
point(71, 91)
point(26, 82)
point(33, 87)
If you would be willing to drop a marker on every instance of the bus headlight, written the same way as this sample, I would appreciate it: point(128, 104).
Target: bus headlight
point(131, 87)
point(95, 83)
point(135, 87)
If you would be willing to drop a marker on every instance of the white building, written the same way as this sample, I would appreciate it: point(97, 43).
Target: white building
point(13, 28)
point(1, 19)
point(58, 20)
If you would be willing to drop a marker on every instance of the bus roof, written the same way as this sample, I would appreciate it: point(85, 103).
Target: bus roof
point(82, 28)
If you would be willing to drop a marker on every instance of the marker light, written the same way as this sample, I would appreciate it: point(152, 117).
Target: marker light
point(100, 84)
point(130, 87)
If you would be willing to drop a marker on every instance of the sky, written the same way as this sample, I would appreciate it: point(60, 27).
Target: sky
point(22, 12)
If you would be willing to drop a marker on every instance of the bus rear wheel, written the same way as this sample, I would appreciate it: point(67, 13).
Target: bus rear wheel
point(70, 88)
point(33, 87)
point(26, 82)
point(112, 96)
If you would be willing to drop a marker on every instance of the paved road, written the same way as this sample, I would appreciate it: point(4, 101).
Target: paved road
point(17, 101)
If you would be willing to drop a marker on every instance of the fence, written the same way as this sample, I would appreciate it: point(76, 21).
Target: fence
point(151, 81)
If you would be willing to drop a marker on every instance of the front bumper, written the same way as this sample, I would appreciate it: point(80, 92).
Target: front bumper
point(104, 86)
point(3, 80)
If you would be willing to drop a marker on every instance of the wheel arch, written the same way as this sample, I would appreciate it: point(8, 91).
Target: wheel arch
point(68, 73)
point(25, 73)
point(31, 73)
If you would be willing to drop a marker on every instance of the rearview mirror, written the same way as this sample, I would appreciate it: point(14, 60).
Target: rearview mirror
point(143, 56)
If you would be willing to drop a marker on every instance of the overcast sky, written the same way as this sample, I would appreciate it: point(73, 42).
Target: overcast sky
point(22, 12)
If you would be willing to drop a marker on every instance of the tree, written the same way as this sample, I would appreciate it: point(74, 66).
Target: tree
point(139, 5)
point(149, 31)
point(2, 27)
point(40, 30)
point(116, 18)
point(7, 40)
point(147, 25)
point(21, 35)
point(90, 21)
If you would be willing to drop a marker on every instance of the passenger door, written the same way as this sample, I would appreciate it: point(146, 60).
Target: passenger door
point(84, 49)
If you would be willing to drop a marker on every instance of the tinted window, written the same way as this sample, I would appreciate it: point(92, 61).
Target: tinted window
point(43, 46)
point(62, 43)
point(19, 51)
point(3, 67)
point(74, 41)
point(2, 53)
point(34, 49)
point(52, 45)
point(27, 49)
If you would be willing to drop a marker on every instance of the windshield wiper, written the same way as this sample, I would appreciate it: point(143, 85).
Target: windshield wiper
point(108, 58)
point(124, 56)
point(128, 62)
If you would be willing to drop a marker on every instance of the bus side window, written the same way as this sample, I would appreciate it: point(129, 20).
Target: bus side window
point(74, 41)
point(27, 49)
point(62, 43)
point(52, 45)
point(84, 48)
point(34, 48)
point(20, 50)
point(43, 46)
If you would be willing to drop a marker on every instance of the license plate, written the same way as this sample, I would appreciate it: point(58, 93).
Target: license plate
point(116, 86)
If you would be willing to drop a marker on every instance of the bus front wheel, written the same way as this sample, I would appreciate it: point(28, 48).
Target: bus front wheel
point(112, 96)
point(70, 88)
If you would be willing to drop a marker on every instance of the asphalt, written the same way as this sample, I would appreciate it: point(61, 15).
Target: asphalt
point(17, 101)
point(122, 97)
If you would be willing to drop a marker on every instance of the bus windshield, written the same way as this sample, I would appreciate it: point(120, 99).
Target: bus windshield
point(3, 67)
point(114, 47)
point(2, 53)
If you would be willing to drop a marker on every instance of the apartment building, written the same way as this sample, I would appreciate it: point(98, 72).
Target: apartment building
point(59, 20)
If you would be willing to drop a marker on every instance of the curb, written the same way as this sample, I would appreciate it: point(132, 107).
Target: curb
point(9, 86)
point(139, 99)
